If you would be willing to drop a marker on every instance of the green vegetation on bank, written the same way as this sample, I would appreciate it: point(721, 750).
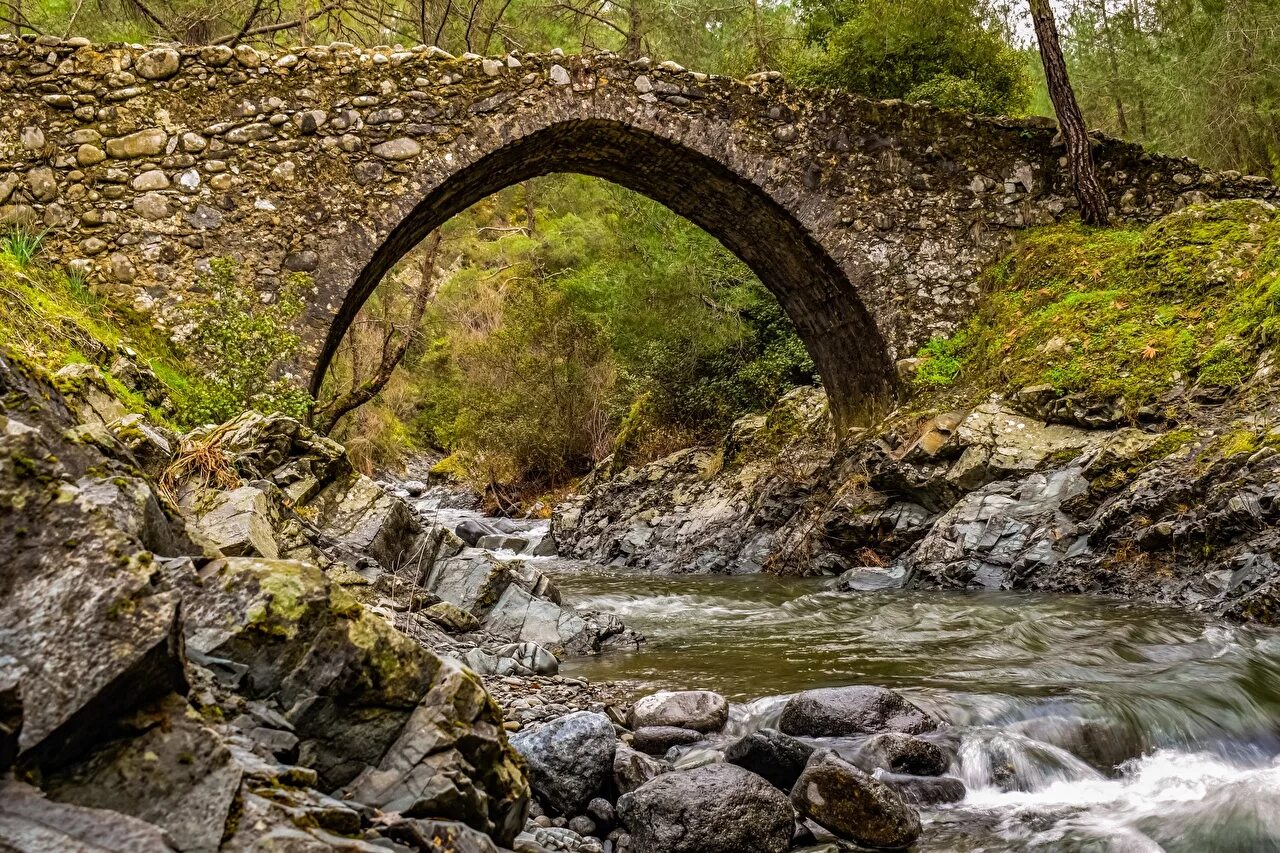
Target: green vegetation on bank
point(1124, 312)
point(51, 317)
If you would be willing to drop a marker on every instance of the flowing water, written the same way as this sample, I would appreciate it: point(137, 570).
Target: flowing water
point(1178, 715)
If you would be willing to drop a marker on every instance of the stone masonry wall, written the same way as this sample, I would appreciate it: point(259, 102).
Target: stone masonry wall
point(869, 220)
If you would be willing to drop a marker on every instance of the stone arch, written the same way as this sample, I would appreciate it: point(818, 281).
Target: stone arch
point(825, 306)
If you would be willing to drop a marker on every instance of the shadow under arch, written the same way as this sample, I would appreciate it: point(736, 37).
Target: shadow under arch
point(829, 315)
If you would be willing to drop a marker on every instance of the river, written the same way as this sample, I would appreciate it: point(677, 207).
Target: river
point(1188, 705)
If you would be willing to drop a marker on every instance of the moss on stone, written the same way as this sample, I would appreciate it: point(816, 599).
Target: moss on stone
point(1124, 312)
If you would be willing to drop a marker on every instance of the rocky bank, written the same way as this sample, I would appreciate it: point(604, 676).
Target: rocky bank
point(1032, 491)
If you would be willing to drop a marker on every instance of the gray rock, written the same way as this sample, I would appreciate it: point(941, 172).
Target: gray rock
point(402, 148)
point(236, 523)
point(503, 542)
point(901, 753)
point(367, 520)
point(569, 759)
point(656, 740)
point(719, 808)
point(451, 617)
point(531, 657)
point(838, 711)
point(873, 578)
point(632, 768)
point(472, 530)
point(29, 822)
point(443, 835)
point(700, 710)
point(772, 755)
point(853, 805)
point(178, 775)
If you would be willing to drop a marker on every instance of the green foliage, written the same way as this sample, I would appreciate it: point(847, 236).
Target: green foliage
point(1125, 313)
point(21, 246)
point(243, 344)
point(1189, 78)
point(954, 54)
point(940, 361)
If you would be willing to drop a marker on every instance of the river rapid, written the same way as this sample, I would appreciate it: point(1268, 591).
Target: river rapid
point(1177, 714)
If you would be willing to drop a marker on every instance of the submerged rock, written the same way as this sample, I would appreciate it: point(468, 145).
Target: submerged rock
point(838, 711)
point(901, 753)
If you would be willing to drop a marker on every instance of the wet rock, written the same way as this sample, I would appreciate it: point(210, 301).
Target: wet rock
point(719, 808)
point(772, 755)
point(1101, 744)
point(503, 542)
point(656, 740)
point(873, 578)
point(853, 805)
point(632, 768)
point(30, 822)
point(700, 710)
point(838, 711)
point(901, 753)
point(923, 790)
point(472, 530)
point(569, 759)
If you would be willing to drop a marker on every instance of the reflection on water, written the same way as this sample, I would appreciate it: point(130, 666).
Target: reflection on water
point(1077, 724)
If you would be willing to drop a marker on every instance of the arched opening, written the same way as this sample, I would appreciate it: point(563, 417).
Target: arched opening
point(808, 283)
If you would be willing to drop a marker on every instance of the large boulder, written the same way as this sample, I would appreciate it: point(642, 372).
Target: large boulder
point(853, 805)
point(769, 753)
point(29, 822)
point(838, 711)
point(700, 710)
point(569, 759)
point(719, 808)
point(632, 768)
point(176, 774)
point(901, 753)
point(85, 611)
point(366, 520)
point(236, 523)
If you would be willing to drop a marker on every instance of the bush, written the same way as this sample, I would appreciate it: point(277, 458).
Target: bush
point(243, 345)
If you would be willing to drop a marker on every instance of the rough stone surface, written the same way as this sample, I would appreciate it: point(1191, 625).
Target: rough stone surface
point(867, 219)
point(700, 710)
point(719, 808)
point(853, 805)
point(838, 711)
point(29, 822)
point(772, 755)
point(569, 759)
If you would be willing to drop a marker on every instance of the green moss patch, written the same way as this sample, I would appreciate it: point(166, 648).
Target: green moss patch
point(1124, 312)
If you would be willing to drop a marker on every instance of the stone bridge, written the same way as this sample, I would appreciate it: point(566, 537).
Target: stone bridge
point(868, 220)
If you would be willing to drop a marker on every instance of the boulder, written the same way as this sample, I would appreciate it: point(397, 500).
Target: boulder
point(472, 530)
point(632, 768)
point(89, 395)
point(29, 822)
point(93, 628)
point(451, 617)
point(901, 753)
point(418, 834)
point(839, 711)
point(236, 523)
point(531, 657)
point(853, 805)
point(503, 542)
point(451, 760)
point(569, 759)
point(10, 710)
point(772, 755)
point(700, 710)
point(656, 740)
point(368, 521)
point(873, 578)
point(177, 775)
point(719, 808)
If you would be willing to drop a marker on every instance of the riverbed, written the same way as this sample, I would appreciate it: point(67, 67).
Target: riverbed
point(1176, 713)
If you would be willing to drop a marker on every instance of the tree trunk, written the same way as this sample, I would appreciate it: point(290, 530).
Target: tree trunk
point(325, 417)
point(635, 32)
point(1084, 177)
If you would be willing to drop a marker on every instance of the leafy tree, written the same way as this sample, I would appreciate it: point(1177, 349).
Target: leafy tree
point(952, 52)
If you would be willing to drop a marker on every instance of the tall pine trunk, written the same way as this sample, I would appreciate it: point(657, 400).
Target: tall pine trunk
point(1084, 177)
